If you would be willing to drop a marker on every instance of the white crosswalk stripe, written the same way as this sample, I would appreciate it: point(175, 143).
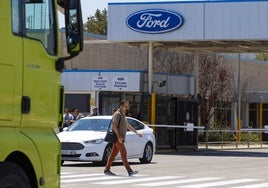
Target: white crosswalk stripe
point(221, 183)
point(138, 180)
point(161, 181)
point(103, 178)
point(177, 182)
point(80, 175)
point(259, 185)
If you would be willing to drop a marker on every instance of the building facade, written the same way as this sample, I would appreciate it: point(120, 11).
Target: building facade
point(202, 26)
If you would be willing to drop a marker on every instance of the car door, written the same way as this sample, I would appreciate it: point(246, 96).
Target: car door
point(134, 143)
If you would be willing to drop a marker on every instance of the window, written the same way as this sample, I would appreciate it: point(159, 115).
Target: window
point(135, 124)
point(91, 125)
point(16, 17)
point(40, 23)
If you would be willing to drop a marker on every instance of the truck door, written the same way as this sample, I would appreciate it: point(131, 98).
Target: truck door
point(40, 50)
point(10, 64)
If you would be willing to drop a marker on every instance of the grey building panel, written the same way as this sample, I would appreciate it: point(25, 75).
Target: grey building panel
point(171, 84)
point(182, 84)
point(205, 20)
point(239, 20)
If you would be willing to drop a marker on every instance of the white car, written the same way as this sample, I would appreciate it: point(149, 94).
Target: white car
point(84, 141)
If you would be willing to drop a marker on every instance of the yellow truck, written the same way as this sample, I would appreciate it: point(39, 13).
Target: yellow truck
point(30, 92)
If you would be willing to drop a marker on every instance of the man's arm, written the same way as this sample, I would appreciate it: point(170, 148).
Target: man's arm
point(115, 128)
point(129, 127)
point(115, 125)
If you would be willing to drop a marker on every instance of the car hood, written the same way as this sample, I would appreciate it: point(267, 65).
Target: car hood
point(80, 136)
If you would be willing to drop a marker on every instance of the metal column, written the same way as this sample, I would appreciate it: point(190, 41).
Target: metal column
point(150, 67)
point(239, 99)
point(196, 73)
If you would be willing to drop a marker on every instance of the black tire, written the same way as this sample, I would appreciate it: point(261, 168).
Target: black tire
point(147, 154)
point(105, 156)
point(12, 176)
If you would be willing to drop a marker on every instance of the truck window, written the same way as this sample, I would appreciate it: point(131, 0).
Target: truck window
point(40, 23)
point(16, 17)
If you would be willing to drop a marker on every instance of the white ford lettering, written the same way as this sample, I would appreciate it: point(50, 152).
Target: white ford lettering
point(154, 21)
point(150, 20)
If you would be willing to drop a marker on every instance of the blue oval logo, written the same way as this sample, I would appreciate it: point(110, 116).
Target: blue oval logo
point(154, 21)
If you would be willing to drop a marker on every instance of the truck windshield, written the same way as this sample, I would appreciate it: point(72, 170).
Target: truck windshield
point(40, 23)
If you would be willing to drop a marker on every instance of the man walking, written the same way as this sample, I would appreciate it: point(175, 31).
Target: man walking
point(120, 126)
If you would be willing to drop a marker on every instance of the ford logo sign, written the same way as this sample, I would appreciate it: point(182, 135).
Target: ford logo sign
point(154, 21)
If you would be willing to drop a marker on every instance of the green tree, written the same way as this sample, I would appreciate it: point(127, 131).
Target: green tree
point(262, 56)
point(98, 23)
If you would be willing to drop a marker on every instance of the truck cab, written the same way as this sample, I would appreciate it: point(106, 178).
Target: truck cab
point(31, 98)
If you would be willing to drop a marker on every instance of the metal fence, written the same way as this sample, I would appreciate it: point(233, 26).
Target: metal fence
point(225, 139)
point(244, 138)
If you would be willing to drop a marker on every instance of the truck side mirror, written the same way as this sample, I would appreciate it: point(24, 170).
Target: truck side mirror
point(73, 26)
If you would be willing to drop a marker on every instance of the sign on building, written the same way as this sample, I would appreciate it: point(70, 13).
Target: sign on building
point(100, 82)
point(120, 83)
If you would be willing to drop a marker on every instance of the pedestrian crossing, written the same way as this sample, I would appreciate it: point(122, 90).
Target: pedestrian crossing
point(162, 181)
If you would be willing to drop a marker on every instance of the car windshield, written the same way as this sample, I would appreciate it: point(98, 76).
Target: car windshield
point(90, 125)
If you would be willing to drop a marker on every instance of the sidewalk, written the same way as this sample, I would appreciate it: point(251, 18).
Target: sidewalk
point(233, 146)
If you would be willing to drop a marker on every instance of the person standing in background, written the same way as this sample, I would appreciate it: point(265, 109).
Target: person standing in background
point(77, 115)
point(67, 118)
point(95, 112)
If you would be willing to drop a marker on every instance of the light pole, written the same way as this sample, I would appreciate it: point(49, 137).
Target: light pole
point(238, 100)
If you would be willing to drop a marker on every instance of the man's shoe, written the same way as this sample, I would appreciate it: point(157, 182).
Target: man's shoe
point(132, 172)
point(109, 173)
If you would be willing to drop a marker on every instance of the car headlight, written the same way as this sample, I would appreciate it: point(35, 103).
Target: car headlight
point(96, 141)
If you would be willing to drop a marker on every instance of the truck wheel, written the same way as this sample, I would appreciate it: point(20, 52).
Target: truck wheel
point(12, 176)
point(147, 154)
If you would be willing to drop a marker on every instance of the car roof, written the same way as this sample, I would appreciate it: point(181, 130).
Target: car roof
point(108, 117)
point(98, 117)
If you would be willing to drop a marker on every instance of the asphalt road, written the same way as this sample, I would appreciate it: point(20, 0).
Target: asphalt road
point(192, 169)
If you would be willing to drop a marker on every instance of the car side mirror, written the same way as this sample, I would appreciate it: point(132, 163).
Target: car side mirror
point(65, 129)
point(73, 26)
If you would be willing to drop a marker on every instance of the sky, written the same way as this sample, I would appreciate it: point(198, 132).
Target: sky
point(89, 7)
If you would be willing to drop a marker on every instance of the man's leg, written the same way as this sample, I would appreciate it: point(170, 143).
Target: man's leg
point(111, 157)
point(121, 147)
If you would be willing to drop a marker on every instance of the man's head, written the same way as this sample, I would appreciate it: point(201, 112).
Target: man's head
point(95, 110)
point(76, 112)
point(123, 106)
point(66, 110)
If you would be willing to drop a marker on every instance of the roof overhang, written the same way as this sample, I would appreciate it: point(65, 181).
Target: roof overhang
point(215, 46)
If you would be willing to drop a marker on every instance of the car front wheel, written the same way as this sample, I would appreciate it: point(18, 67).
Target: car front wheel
point(106, 154)
point(147, 154)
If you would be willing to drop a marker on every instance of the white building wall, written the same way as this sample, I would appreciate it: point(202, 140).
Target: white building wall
point(131, 81)
point(85, 81)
